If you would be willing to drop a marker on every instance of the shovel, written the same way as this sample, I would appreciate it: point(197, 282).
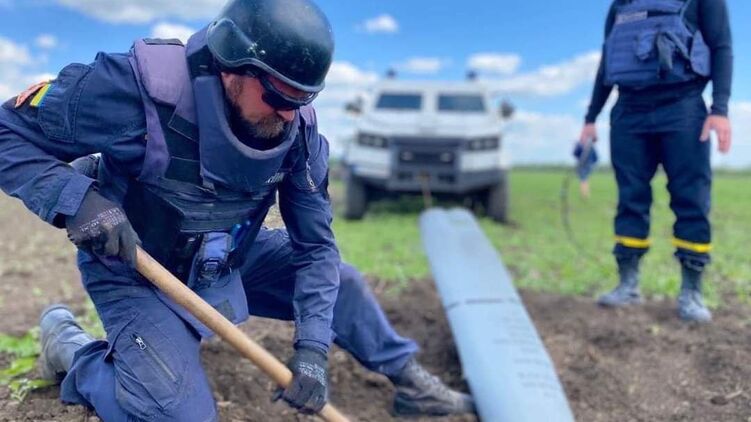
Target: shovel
point(180, 293)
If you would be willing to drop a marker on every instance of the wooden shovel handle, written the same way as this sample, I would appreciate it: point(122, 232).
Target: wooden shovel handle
point(210, 317)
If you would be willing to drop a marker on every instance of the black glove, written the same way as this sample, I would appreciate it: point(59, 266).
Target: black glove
point(101, 226)
point(308, 391)
point(87, 165)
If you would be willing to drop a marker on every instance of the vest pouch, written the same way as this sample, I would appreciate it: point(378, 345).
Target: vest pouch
point(700, 56)
point(226, 295)
point(158, 225)
point(172, 218)
point(211, 260)
point(631, 57)
point(645, 47)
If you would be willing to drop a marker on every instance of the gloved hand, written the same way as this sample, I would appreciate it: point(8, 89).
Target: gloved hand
point(101, 226)
point(88, 165)
point(308, 391)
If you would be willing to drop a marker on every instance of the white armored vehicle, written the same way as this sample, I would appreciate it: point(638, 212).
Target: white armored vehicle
point(418, 137)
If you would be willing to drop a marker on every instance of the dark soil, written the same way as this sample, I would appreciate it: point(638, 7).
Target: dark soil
point(636, 365)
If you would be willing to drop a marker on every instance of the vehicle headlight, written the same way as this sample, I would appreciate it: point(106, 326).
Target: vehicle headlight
point(372, 141)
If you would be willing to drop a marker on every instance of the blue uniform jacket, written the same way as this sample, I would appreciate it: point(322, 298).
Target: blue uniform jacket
point(97, 108)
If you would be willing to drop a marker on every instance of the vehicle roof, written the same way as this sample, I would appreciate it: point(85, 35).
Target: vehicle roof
point(395, 85)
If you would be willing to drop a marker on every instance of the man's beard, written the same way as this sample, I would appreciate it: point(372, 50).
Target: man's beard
point(269, 127)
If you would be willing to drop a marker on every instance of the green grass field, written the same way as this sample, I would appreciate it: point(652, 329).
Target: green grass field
point(386, 244)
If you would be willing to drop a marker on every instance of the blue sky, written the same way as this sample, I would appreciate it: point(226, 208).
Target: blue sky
point(540, 54)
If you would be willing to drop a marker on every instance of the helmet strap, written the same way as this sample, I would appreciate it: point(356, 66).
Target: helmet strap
point(202, 63)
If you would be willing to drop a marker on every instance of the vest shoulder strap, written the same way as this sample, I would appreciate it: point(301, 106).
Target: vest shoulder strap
point(162, 67)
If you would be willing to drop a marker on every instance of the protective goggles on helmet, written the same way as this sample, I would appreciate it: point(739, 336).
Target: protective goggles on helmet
point(273, 96)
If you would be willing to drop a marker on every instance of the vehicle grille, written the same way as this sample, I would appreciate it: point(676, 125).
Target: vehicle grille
point(427, 151)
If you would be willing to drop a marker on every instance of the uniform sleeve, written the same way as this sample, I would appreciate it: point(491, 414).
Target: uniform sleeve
point(601, 91)
point(306, 210)
point(86, 109)
point(714, 24)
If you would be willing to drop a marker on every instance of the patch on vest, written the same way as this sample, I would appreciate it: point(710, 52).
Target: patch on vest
point(631, 17)
point(275, 178)
point(40, 89)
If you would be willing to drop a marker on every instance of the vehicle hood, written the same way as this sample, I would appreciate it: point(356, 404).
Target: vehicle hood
point(421, 124)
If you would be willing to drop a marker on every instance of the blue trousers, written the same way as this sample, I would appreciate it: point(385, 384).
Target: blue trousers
point(643, 137)
point(149, 367)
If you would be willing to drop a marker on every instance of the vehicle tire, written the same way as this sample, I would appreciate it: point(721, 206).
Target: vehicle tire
point(355, 198)
point(497, 201)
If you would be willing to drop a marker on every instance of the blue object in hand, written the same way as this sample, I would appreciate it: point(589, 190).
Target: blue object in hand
point(586, 159)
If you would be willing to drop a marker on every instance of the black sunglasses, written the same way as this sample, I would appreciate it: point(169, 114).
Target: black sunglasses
point(275, 98)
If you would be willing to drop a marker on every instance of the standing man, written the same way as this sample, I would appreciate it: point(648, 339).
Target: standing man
point(195, 143)
point(661, 54)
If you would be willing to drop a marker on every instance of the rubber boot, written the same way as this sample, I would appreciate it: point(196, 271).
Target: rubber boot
point(627, 291)
point(420, 393)
point(60, 338)
point(691, 306)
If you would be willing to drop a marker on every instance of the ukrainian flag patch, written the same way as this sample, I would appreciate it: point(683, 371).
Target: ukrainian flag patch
point(39, 97)
point(38, 91)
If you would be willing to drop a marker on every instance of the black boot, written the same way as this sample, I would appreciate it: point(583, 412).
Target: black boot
point(690, 303)
point(627, 291)
point(60, 338)
point(420, 393)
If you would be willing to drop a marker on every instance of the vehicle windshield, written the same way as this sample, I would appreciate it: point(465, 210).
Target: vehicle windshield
point(391, 101)
point(464, 103)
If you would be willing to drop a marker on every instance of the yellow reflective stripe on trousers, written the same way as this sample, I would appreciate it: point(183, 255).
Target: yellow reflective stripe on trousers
point(691, 246)
point(633, 242)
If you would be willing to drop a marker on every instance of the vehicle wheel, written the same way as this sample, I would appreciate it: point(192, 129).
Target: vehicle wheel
point(355, 198)
point(497, 201)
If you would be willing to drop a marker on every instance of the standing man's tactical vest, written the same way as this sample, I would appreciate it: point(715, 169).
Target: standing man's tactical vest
point(651, 44)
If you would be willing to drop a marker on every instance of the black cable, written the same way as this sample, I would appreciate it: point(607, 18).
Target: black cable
point(566, 208)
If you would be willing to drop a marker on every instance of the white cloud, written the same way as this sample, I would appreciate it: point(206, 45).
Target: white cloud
point(13, 58)
point(46, 41)
point(142, 11)
point(345, 73)
point(381, 24)
point(539, 138)
point(344, 82)
point(6, 92)
point(501, 64)
point(170, 30)
point(12, 53)
point(423, 65)
point(553, 80)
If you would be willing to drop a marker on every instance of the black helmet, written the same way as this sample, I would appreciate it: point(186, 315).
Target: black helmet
point(289, 39)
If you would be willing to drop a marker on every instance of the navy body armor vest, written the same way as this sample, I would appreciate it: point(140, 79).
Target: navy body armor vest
point(652, 44)
point(198, 179)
